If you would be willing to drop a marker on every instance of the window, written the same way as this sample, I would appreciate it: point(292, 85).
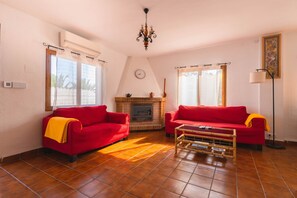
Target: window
point(71, 82)
point(202, 86)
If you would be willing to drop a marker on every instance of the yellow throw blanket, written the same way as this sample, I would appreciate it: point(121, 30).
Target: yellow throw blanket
point(248, 121)
point(56, 128)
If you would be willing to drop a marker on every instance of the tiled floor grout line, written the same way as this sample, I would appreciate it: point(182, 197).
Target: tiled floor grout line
point(236, 182)
point(137, 165)
point(149, 173)
point(197, 165)
point(110, 185)
point(14, 177)
point(166, 176)
point(155, 169)
point(258, 175)
point(283, 179)
point(52, 178)
point(11, 174)
point(142, 163)
point(136, 153)
point(72, 168)
point(212, 181)
point(189, 178)
point(149, 154)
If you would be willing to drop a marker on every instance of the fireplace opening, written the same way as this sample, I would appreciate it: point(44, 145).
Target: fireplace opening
point(141, 112)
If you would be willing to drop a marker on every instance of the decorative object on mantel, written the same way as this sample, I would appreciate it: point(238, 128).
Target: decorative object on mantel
point(151, 94)
point(164, 89)
point(146, 34)
point(259, 77)
point(128, 95)
point(271, 54)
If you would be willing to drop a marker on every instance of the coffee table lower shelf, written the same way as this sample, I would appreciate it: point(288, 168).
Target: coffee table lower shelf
point(219, 142)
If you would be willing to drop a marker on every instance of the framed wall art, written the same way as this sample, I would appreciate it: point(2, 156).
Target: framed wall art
point(271, 54)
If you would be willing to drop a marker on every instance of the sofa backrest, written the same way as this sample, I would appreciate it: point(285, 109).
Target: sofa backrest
point(233, 114)
point(86, 115)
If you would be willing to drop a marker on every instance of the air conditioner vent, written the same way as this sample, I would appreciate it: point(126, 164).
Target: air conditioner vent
point(79, 44)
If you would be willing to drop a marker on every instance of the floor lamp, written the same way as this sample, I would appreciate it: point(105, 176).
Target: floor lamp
point(259, 77)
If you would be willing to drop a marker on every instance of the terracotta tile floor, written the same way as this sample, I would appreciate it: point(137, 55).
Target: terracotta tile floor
point(145, 166)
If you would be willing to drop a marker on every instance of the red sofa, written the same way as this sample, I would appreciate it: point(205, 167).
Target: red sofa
point(95, 128)
point(225, 117)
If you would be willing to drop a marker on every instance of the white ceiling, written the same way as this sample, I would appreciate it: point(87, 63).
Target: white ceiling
point(179, 24)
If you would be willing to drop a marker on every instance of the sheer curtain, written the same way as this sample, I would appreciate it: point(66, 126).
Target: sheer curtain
point(188, 87)
point(211, 87)
point(200, 86)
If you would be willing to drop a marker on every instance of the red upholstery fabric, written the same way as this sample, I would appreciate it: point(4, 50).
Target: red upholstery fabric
point(87, 115)
point(207, 116)
point(236, 115)
point(100, 128)
point(117, 118)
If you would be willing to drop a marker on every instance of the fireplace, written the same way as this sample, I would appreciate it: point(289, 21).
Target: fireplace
point(145, 113)
point(141, 112)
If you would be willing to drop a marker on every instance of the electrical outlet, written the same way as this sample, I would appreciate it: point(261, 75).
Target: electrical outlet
point(268, 136)
point(7, 84)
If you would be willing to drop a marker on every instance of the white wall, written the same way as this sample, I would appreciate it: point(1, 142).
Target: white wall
point(289, 71)
point(113, 71)
point(22, 59)
point(244, 58)
point(138, 87)
point(285, 92)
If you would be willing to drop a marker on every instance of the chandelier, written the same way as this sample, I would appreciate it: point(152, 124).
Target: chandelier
point(146, 34)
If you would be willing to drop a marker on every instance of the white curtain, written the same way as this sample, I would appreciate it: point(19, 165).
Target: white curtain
point(188, 88)
point(210, 87)
point(200, 86)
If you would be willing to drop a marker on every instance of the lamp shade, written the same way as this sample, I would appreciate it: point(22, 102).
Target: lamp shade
point(257, 77)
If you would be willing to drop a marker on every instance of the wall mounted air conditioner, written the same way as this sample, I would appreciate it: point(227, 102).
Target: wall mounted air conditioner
point(78, 44)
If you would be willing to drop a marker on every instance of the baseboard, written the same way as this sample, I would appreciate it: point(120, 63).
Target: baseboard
point(286, 142)
point(25, 155)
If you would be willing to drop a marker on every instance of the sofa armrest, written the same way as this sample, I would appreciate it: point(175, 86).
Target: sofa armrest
point(73, 126)
point(258, 123)
point(171, 116)
point(120, 118)
point(45, 121)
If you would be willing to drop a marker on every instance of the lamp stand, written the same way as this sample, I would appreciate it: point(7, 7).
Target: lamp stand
point(273, 144)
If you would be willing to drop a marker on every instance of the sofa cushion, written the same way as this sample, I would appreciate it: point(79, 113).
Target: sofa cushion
point(236, 115)
point(86, 115)
point(106, 129)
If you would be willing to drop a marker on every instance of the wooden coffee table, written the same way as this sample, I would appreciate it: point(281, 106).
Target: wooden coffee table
point(205, 139)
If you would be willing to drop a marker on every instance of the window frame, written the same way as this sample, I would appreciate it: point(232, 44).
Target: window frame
point(49, 53)
point(48, 106)
point(224, 81)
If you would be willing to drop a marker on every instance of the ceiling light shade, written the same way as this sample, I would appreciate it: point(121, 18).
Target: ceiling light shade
point(257, 77)
point(146, 34)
